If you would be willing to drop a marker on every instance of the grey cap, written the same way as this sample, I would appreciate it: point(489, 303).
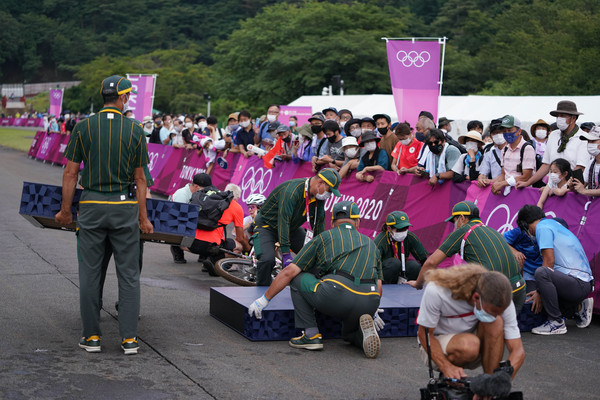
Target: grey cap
point(282, 128)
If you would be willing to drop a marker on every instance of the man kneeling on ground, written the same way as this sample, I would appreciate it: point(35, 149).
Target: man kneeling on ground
point(468, 313)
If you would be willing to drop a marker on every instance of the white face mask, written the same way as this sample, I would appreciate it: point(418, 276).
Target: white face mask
point(350, 153)
point(593, 149)
point(471, 146)
point(245, 124)
point(554, 178)
point(271, 117)
point(177, 128)
point(406, 141)
point(499, 139)
point(541, 134)
point(148, 128)
point(67, 116)
point(561, 123)
point(342, 123)
point(356, 132)
point(323, 196)
point(202, 125)
point(399, 236)
point(125, 104)
point(189, 125)
point(370, 146)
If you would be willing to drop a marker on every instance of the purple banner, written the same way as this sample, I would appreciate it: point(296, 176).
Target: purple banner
point(20, 122)
point(300, 112)
point(56, 99)
point(59, 150)
point(415, 75)
point(35, 144)
point(141, 103)
point(158, 156)
point(6, 121)
point(188, 166)
point(47, 146)
point(221, 177)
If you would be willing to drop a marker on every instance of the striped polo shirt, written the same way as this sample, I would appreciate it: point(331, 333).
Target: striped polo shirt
point(111, 146)
point(412, 245)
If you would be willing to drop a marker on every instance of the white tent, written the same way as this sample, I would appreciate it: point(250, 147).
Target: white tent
point(462, 109)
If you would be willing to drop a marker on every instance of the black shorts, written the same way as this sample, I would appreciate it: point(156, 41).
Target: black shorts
point(209, 249)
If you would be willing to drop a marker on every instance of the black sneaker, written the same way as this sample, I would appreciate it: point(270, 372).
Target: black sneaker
point(303, 342)
point(130, 346)
point(178, 256)
point(90, 344)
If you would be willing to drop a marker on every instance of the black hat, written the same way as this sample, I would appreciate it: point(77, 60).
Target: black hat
point(368, 136)
point(587, 125)
point(387, 117)
point(426, 114)
point(202, 180)
point(318, 116)
point(350, 123)
point(273, 126)
point(330, 109)
point(368, 119)
point(444, 121)
point(345, 111)
point(495, 124)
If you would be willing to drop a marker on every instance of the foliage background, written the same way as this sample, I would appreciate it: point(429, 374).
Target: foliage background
point(251, 53)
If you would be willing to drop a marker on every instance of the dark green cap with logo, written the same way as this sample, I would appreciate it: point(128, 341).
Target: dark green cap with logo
point(398, 220)
point(349, 209)
point(116, 84)
point(463, 208)
point(332, 178)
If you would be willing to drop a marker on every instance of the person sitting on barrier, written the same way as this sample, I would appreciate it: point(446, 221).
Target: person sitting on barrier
point(245, 134)
point(467, 314)
point(280, 219)
point(254, 202)
point(491, 164)
point(476, 243)
point(565, 279)
point(558, 181)
point(405, 156)
point(396, 243)
point(437, 158)
point(374, 158)
point(344, 291)
point(591, 175)
point(467, 165)
point(184, 195)
point(351, 160)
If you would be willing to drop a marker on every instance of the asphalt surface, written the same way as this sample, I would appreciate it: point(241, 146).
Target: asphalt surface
point(187, 354)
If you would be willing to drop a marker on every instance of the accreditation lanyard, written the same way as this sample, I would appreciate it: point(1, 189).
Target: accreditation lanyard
point(309, 232)
point(402, 256)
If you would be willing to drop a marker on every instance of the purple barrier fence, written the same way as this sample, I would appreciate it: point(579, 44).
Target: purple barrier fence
point(30, 122)
point(35, 144)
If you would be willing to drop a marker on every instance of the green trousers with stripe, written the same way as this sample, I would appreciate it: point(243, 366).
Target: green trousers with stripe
point(335, 296)
point(109, 218)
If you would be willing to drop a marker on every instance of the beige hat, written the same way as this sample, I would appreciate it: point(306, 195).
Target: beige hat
point(147, 118)
point(470, 135)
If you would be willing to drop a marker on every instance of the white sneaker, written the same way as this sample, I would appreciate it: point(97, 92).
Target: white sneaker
point(371, 342)
point(550, 327)
point(583, 317)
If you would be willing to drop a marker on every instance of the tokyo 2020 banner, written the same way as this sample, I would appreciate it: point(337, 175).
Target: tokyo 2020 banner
point(142, 102)
point(415, 76)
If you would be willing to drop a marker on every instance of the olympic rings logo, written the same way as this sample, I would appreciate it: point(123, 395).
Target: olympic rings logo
point(57, 95)
point(510, 222)
point(413, 58)
point(153, 157)
point(256, 181)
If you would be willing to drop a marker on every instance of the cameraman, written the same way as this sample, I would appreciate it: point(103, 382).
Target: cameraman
point(468, 313)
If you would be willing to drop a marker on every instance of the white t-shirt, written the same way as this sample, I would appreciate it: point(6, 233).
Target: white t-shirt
point(182, 195)
point(440, 311)
point(586, 173)
point(575, 152)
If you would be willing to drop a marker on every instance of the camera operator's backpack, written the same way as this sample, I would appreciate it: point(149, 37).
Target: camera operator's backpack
point(212, 204)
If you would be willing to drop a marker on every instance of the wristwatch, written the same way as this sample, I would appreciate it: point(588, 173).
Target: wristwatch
point(437, 175)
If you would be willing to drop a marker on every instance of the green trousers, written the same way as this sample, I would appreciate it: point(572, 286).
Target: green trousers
point(109, 218)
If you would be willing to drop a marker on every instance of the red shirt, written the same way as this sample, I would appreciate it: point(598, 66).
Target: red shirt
point(409, 154)
point(234, 213)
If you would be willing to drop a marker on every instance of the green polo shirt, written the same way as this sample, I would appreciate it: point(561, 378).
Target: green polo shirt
point(484, 246)
point(111, 147)
point(285, 210)
point(341, 249)
point(412, 245)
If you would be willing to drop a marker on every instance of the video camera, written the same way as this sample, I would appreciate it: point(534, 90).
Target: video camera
point(497, 385)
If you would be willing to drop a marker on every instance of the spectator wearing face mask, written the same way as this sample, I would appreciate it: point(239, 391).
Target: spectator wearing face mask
point(491, 164)
point(388, 139)
point(331, 114)
point(272, 117)
point(334, 157)
point(368, 124)
point(405, 156)
point(305, 148)
point(467, 165)
point(188, 133)
point(423, 125)
point(345, 116)
point(245, 135)
point(53, 125)
point(396, 243)
point(374, 158)
point(293, 124)
point(165, 130)
point(352, 157)
point(437, 158)
point(155, 136)
point(148, 126)
point(558, 178)
point(176, 136)
point(319, 141)
point(539, 133)
point(352, 128)
point(591, 175)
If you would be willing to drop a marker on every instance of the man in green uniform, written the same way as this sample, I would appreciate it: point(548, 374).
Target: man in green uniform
point(479, 244)
point(113, 151)
point(281, 217)
point(349, 288)
point(396, 243)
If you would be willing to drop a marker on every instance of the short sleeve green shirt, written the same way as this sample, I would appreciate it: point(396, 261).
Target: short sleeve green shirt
point(412, 245)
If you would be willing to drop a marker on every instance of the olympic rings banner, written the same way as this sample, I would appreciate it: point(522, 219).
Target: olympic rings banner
point(415, 76)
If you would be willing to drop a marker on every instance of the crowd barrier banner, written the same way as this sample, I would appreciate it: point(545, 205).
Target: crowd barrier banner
point(6, 121)
point(58, 156)
point(415, 75)
point(35, 144)
point(48, 146)
point(29, 122)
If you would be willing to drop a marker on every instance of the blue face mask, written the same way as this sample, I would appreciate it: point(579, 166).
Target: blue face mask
point(482, 315)
point(420, 136)
point(510, 136)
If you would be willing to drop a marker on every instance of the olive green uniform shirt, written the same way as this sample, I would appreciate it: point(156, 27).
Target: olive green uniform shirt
point(341, 249)
point(412, 245)
point(111, 147)
point(285, 210)
point(484, 246)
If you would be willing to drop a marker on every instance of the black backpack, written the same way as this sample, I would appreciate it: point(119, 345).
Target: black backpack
point(155, 136)
point(520, 165)
point(212, 204)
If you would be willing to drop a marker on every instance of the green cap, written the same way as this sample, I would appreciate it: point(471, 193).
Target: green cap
point(510, 121)
point(332, 178)
point(116, 84)
point(398, 220)
point(348, 208)
point(462, 208)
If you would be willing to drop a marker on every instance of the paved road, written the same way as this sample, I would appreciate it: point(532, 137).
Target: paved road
point(184, 352)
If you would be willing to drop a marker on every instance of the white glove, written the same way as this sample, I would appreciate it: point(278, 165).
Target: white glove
point(377, 321)
point(257, 306)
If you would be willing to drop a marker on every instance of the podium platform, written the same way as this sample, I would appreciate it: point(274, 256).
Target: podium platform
point(399, 302)
point(174, 223)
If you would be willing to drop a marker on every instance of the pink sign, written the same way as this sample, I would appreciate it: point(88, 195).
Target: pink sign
point(141, 103)
point(300, 112)
point(56, 99)
point(37, 141)
point(45, 152)
point(415, 75)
